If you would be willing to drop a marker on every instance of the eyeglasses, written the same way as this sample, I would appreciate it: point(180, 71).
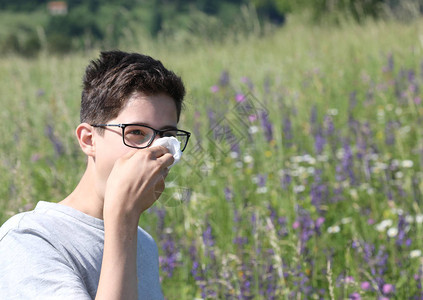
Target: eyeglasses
point(142, 136)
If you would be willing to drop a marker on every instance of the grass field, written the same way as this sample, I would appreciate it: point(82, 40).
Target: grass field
point(303, 179)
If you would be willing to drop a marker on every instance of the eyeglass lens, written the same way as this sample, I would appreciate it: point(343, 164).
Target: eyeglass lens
point(140, 136)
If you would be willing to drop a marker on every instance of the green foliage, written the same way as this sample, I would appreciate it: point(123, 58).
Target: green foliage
point(237, 220)
point(95, 23)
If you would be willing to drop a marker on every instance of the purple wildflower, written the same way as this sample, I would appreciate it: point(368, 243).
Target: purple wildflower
point(353, 100)
point(228, 194)
point(267, 125)
point(252, 118)
point(58, 145)
point(287, 131)
point(365, 286)
point(168, 261)
point(347, 162)
point(248, 82)
point(214, 89)
point(240, 97)
point(388, 288)
point(390, 64)
point(329, 126)
point(224, 79)
point(319, 191)
point(390, 133)
point(319, 141)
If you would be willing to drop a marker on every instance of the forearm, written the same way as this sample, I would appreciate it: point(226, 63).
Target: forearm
point(118, 277)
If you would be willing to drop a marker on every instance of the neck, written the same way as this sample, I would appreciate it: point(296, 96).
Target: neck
point(85, 197)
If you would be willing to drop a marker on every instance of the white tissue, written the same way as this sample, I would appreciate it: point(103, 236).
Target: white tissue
point(172, 144)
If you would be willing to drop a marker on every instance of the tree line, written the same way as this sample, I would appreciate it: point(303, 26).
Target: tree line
point(93, 22)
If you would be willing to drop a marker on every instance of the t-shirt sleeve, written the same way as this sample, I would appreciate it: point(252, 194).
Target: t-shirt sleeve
point(32, 268)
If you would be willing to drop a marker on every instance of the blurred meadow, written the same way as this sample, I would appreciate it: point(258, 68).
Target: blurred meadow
point(303, 178)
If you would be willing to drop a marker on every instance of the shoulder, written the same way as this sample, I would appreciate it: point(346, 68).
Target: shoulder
point(37, 221)
point(14, 223)
point(146, 241)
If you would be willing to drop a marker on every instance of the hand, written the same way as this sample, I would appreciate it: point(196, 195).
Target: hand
point(136, 182)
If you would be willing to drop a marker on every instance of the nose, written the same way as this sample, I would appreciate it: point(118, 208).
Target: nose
point(156, 137)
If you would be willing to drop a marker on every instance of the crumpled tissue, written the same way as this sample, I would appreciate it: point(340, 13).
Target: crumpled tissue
point(172, 144)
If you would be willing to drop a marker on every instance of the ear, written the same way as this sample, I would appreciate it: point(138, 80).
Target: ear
point(85, 134)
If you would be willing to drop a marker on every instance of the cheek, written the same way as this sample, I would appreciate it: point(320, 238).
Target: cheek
point(106, 158)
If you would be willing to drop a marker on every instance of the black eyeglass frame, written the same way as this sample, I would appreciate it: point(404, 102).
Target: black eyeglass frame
point(156, 131)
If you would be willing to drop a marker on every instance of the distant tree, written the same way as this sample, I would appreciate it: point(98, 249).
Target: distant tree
point(210, 7)
point(156, 19)
point(273, 10)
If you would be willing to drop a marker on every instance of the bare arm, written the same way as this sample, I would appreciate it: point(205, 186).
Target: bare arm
point(135, 183)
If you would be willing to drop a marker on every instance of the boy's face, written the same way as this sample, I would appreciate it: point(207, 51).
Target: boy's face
point(157, 111)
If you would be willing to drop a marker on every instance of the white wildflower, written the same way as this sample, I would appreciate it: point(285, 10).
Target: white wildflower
point(404, 130)
point(253, 129)
point(310, 170)
point(415, 253)
point(399, 175)
point(381, 166)
point(233, 154)
point(409, 219)
point(419, 219)
point(299, 189)
point(177, 196)
point(397, 211)
point(346, 220)
point(334, 229)
point(322, 158)
point(407, 163)
point(171, 184)
point(309, 159)
point(392, 232)
point(248, 159)
point(332, 111)
point(296, 159)
point(261, 190)
point(398, 110)
point(353, 193)
point(395, 163)
point(298, 171)
point(340, 153)
point(373, 156)
point(364, 186)
point(383, 225)
point(295, 173)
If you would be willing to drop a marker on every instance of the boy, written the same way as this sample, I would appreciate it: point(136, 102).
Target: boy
point(89, 245)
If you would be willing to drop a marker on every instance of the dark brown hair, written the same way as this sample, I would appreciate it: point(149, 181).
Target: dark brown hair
point(111, 80)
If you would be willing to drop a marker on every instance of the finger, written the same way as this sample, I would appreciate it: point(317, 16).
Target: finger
point(166, 160)
point(158, 151)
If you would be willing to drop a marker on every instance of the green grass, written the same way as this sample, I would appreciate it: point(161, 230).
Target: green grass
point(295, 70)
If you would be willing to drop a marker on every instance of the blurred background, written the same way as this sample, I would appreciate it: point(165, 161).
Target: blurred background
point(303, 175)
point(28, 27)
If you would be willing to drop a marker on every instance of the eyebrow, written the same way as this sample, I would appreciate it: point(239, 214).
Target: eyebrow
point(166, 127)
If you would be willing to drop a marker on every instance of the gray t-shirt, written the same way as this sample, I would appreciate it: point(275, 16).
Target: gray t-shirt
point(55, 252)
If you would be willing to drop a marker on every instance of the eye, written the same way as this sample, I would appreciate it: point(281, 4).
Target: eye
point(136, 135)
point(169, 133)
point(137, 132)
